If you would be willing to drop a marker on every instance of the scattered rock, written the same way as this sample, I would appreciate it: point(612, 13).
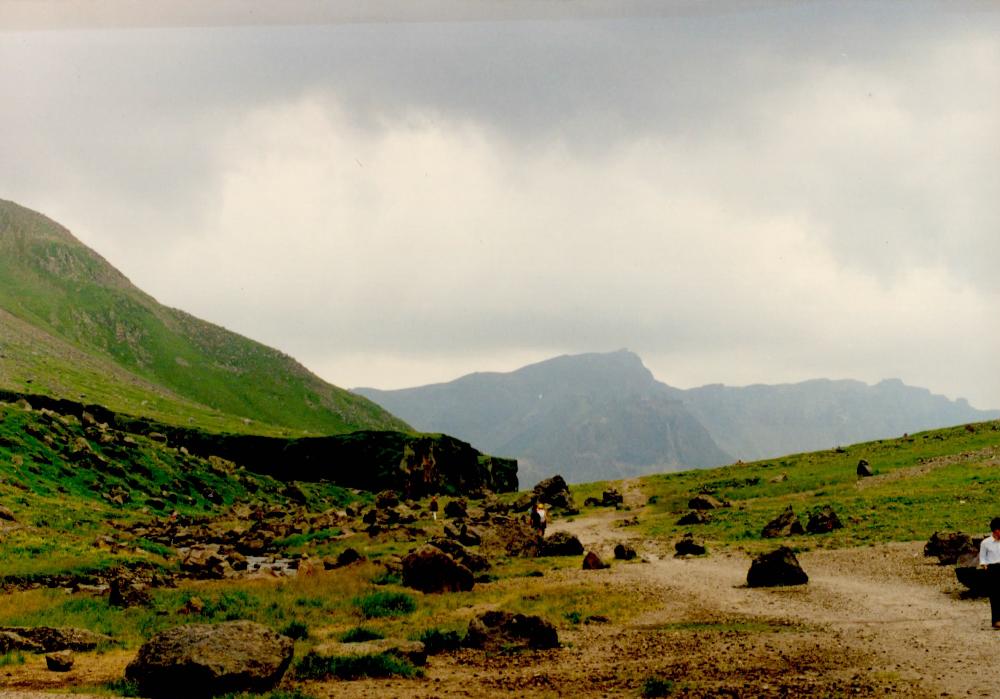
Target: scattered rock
point(864, 469)
point(694, 517)
point(593, 562)
point(432, 570)
point(510, 536)
point(785, 524)
point(205, 562)
point(948, 547)
point(10, 642)
point(706, 502)
point(624, 552)
point(561, 544)
point(775, 569)
point(823, 521)
point(456, 509)
point(387, 498)
point(60, 661)
point(968, 572)
point(348, 557)
point(496, 630)
point(687, 546)
point(127, 590)
point(554, 491)
point(7, 514)
point(51, 639)
point(203, 660)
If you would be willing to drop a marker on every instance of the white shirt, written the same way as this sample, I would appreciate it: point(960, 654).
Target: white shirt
point(989, 551)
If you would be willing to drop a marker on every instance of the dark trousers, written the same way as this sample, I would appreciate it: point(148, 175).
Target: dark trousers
point(993, 586)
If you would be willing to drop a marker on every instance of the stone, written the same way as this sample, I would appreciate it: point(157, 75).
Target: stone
point(498, 630)
point(593, 562)
point(10, 642)
point(968, 572)
point(706, 502)
point(785, 524)
point(948, 547)
point(776, 569)
point(348, 557)
point(203, 660)
point(127, 590)
point(469, 536)
point(624, 552)
point(7, 514)
point(694, 517)
point(205, 562)
point(554, 492)
point(687, 546)
point(561, 544)
point(456, 509)
point(60, 661)
point(51, 639)
point(387, 498)
point(432, 570)
point(864, 469)
point(510, 536)
point(612, 498)
point(823, 521)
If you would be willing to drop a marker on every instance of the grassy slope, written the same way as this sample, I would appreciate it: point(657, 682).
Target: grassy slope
point(80, 318)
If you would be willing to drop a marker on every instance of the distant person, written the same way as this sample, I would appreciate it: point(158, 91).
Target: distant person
point(538, 519)
point(989, 559)
point(434, 507)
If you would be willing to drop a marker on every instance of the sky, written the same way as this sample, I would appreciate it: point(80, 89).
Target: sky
point(400, 193)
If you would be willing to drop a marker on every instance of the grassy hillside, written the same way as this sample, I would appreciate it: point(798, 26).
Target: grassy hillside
point(72, 324)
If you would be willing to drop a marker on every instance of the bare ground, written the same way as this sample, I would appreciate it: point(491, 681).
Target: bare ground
point(873, 621)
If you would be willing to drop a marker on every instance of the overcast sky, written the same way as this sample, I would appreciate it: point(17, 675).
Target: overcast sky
point(399, 194)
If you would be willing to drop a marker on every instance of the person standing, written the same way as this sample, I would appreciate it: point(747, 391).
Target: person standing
point(989, 559)
point(434, 507)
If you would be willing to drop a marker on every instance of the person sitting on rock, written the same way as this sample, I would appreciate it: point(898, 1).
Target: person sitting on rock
point(989, 559)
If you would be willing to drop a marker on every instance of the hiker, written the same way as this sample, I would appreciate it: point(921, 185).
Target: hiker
point(538, 519)
point(989, 560)
point(434, 507)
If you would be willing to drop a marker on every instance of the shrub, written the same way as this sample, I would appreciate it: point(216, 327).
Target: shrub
point(387, 578)
point(381, 604)
point(352, 667)
point(360, 634)
point(656, 687)
point(296, 629)
point(12, 658)
point(437, 641)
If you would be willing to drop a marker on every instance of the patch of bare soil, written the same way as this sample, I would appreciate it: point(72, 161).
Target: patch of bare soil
point(875, 621)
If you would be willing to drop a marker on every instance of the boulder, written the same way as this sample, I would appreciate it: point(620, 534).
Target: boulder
point(948, 547)
point(864, 469)
point(968, 572)
point(823, 521)
point(10, 642)
point(706, 502)
point(554, 491)
point(775, 569)
point(347, 557)
point(695, 517)
point(469, 536)
point(785, 524)
point(432, 570)
point(496, 630)
point(593, 562)
point(612, 498)
point(7, 514)
point(205, 562)
point(60, 661)
point(510, 536)
point(203, 660)
point(456, 509)
point(127, 590)
point(687, 546)
point(624, 552)
point(561, 544)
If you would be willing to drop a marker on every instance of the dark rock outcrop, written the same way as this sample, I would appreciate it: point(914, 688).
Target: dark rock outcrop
point(430, 569)
point(823, 521)
point(51, 639)
point(624, 552)
point(498, 630)
point(948, 547)
point(706, 502)
point(554, 492)
point(864, 469)
point(561, 544)
point(60, 661)
point(785, 524)
point(456, 509)
point(776, 569)
point(687, 546)
point(593, 562)
point(203, 660)
point(695, 517)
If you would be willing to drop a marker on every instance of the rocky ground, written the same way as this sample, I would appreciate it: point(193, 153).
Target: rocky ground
point(873, 621)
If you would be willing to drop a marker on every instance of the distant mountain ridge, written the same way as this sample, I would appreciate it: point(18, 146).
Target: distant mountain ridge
point(73, 326)
point(603, 416)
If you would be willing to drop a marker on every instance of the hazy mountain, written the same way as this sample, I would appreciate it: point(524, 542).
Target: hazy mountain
point(588, 417)
point(756, 422)
point(598, 416)
point(73, 326)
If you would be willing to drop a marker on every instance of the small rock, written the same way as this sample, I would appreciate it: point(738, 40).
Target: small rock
point(624, 552)
point(60, 661)
point(823, 521)
point(687, 546)
point(593, 562)
point(785, 524)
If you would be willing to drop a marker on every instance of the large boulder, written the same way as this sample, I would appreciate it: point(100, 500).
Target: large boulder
point(785, 524)
point(706, 502)
point(823, 521)
point(496, 630)
point(554, 491)
point(456, 509)
point(203, 660)
point(510, 536)
point(430, 569)
point(948, 547)
point(561, 544)
point(776, 569)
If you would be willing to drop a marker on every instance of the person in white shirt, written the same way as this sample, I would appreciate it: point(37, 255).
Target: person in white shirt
point(989, 559)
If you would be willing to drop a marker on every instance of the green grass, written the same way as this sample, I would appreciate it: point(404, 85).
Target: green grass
point(352, 667)
point(383, 603)
point(360, 634)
